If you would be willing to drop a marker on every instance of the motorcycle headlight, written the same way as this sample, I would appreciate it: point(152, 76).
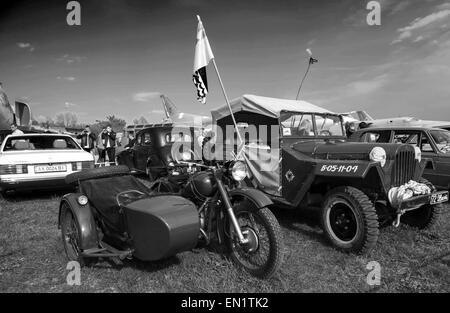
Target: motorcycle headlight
point(82, 200)
point(418, 154)
point(378, 154)
point(239, 171)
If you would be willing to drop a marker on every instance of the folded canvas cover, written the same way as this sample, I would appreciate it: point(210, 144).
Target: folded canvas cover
point(270, 107)
point(102, 194)
point(264, 164)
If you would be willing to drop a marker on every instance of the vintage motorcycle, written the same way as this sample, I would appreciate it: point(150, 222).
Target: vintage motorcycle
point(115, 215)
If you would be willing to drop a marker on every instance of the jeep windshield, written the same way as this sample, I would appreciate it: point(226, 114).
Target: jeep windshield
point(442, 139)
point(311, 125)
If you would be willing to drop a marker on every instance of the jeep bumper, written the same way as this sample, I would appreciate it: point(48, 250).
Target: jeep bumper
point(418, 201)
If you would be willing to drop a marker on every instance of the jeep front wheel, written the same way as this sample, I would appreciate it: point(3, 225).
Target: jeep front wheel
point(349, 220)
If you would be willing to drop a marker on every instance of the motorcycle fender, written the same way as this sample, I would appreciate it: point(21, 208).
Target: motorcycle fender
point(85, 219)
point(260, 199)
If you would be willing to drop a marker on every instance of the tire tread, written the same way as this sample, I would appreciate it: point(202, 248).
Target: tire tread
point(370, 218)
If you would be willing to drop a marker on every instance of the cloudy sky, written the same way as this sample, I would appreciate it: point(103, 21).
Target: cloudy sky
point(127, 51)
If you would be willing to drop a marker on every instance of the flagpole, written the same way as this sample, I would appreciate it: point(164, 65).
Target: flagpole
point(223, 89)
point(303, 79)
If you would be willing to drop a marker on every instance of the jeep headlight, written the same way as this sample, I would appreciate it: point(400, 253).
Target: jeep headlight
point(378, 154)
point(418, 154)
point(239, 171)
point(186, 156)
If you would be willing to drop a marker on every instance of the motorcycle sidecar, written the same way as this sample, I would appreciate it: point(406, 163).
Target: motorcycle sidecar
point(115, 215)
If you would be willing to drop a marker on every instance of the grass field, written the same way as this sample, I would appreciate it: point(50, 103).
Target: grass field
point(32, 260)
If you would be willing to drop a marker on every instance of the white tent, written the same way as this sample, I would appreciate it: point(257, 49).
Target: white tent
point(270, 107)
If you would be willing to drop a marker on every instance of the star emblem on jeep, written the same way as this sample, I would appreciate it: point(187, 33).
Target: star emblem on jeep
point(289, 176)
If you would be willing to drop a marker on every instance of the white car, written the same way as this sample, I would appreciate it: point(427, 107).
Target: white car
point(40, 161)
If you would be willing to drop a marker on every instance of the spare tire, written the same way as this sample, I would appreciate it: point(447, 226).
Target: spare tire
point(101, 172)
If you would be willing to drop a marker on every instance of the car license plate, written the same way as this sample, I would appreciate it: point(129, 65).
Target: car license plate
point(439, 197)
point(50, 168)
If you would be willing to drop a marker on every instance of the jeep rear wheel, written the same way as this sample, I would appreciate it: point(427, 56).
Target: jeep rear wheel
point(349, 220)
point(426, 216)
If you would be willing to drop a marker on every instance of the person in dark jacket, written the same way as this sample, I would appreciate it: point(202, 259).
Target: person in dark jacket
point(131, 141)
point(87, 139)
point(109, 142)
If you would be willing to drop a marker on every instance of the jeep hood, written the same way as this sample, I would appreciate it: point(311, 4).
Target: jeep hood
point(341, 150)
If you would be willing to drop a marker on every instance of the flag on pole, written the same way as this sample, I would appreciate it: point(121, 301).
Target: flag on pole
point(203, 55)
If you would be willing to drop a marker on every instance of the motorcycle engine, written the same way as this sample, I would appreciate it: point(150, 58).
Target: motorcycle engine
point(200, 186)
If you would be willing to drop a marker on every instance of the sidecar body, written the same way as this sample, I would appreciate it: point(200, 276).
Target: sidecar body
point(114, 215)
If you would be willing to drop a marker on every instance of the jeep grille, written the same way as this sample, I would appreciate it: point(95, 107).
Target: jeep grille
point(404, 167)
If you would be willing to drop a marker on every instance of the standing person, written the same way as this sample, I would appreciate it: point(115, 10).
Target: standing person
point(109, 141)
point(131, 141)
point(101, 147)
point(87, 139)
point(15, 130)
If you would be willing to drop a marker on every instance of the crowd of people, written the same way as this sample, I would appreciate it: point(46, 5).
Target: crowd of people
point(104, 144)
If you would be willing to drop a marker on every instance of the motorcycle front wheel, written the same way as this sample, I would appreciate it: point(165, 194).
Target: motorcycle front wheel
point(261, 256)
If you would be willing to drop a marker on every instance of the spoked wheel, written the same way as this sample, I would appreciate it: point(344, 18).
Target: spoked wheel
point(71, 235)
point(262, 254)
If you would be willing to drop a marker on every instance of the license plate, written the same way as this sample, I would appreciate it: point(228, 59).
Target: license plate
point(439, 197)
point(50, 168)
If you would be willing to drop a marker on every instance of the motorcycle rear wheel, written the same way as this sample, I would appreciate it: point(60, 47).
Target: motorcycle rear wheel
point(262, 255)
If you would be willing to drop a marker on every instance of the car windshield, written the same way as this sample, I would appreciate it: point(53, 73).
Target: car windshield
point(442, 139)
point(20, 143)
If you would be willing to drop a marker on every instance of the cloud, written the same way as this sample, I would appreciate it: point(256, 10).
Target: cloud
point(146, 96)
point(429, 25)
point(67, 78)
point(424, 21)
point(26, 45)
point(311, 42)
point(399, 7)
point(69, 104)
point(70, 59)
point(443, 6)
point(367, 86)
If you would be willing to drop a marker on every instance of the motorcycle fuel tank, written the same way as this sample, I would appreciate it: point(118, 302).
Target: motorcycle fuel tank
point(161, 226)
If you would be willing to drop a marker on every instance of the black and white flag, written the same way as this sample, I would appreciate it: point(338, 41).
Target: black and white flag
point(203, 55)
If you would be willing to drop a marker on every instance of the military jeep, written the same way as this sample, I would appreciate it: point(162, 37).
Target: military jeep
point(305, 161)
